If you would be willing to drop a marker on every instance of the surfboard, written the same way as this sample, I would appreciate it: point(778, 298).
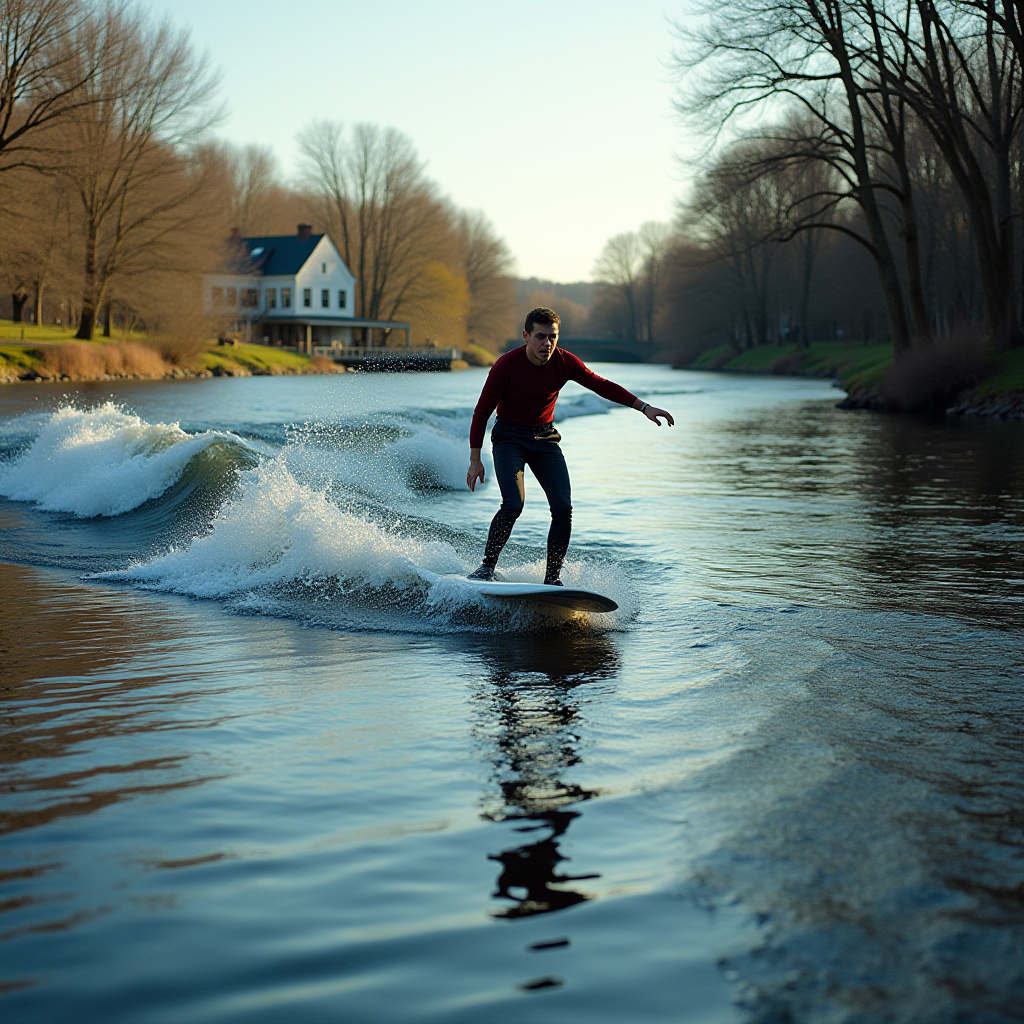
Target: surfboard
point(537, 593)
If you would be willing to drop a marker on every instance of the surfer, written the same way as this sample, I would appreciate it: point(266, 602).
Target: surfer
point(523, 385)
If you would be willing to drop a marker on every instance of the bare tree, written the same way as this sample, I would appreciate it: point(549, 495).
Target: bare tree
point(131, 166)
point(655, 241)
point(372, 192)
point(813, 54)
point(255, 181)
point(964, 82)
point(38, 239)
point(741, 216)
point(620, 266)
point(487, 267)
point(42, 77)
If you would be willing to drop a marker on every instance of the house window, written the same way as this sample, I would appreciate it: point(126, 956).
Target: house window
point(286, 298)
point(232, 296)
point(252, 298)
point(325, 298)
point(307, 297)
point(218, 296)
point(271, 298)
point(323, 268)
point(342, 298)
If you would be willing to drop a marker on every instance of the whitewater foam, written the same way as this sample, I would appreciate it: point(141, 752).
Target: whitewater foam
point(277, 532)
point(280, 546)
point(101, 461)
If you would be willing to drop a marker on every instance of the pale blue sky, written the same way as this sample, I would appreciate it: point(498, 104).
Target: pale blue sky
point(549, 112)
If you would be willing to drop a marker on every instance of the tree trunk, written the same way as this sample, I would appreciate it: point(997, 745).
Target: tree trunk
point(912, 256)
point(89, 297)
point(108, 315)
point(39, 301)
point(18, 300)
point(864, 194)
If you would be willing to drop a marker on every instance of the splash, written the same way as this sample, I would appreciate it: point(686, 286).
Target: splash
point(102, 461)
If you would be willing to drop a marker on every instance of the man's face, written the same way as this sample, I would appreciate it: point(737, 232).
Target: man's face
point(541, 342)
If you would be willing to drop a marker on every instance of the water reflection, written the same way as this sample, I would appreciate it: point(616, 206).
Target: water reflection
point(529, 725)
point(910, 513)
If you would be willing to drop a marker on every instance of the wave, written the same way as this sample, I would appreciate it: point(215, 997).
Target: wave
point(587, 404)
point(105, 461)
point(336, 523)
point(282, 547)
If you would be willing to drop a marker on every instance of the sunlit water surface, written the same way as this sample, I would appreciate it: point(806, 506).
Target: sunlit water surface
point(256, 766)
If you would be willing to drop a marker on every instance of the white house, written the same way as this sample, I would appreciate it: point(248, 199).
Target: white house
point(292, 290)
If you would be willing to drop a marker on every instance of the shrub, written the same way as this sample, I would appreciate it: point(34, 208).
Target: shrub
point(788, 363)
point(182, 335)
point(135, 360)
point(324, 364)
point(80, 361)
point(929, 377)
point(75, 359)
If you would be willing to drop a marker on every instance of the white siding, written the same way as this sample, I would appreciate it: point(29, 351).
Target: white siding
point(335, 278)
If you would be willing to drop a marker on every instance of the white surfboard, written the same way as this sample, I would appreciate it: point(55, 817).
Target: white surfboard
point(572, 598)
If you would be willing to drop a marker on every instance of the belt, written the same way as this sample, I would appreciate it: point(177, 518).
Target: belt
point(536, 431)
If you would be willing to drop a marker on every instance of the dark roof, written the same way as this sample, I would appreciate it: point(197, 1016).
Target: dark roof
point(281, 254)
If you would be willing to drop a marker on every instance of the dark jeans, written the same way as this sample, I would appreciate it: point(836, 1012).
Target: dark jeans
point(515, 447)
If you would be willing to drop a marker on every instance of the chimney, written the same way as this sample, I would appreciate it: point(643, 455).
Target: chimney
point(305, 230)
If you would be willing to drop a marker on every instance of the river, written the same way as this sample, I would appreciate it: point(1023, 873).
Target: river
point(256, 767)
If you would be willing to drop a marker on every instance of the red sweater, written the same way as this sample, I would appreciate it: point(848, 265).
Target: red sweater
point(526, 394)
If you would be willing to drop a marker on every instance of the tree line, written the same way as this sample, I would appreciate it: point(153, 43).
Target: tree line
point(115, 198)
point(861, 177)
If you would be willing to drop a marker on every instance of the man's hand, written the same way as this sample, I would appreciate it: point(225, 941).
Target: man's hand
point(652, 412)
point(476, 469)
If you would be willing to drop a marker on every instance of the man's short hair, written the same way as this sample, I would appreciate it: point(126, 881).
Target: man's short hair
point(541, 315)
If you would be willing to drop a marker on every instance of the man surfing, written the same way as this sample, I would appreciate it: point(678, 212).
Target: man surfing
point(523, 385)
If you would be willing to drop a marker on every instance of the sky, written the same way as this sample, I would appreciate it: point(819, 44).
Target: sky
point(554, 117)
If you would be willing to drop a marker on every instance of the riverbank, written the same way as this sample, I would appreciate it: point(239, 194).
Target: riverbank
point(62, 360)
point(30, 353)
point(862, 371)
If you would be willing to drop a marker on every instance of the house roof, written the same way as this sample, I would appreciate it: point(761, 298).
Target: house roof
point(277, 254)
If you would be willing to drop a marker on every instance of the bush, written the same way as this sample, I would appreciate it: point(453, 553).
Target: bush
point(74, 359)
point(930, 377)
point(135, 360)
point(325, 364)
point(80, 361)
point(182, 335)
point(788, 363)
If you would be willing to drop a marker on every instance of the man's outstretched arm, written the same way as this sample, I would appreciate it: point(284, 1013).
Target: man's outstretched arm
point(582, 374)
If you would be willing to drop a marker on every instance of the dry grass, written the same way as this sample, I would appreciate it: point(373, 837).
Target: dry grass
point(929, 378)
point(326, 365)
point(80, 361)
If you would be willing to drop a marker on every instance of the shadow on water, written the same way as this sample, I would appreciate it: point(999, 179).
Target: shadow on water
point(529, 717)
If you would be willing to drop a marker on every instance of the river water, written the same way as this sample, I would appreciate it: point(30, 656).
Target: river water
point(256, 767)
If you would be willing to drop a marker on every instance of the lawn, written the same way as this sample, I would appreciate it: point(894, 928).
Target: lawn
point(843, 359)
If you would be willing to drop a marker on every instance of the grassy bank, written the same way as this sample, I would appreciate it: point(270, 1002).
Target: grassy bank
point(50, 353)
point(833, 359)
point(996, 387)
